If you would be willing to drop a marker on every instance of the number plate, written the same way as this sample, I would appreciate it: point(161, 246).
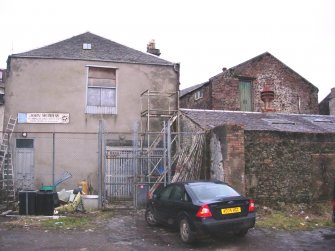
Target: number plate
point(231, 210)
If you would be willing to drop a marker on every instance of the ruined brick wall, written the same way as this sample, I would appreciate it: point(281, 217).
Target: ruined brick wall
point(189, 101)
point(289, 167)
point(226, 155)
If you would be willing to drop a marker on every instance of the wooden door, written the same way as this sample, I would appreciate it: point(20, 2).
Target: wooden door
point(245, 96)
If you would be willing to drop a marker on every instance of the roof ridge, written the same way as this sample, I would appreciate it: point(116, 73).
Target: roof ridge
point(103, 49)
point(261, 55)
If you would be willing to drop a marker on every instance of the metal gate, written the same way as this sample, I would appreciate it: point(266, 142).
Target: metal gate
point(126, 168)
point(119, 173)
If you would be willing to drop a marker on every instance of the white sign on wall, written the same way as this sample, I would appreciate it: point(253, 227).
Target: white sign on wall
point(43, 118)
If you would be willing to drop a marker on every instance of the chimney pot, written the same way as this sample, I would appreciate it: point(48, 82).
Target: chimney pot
point(151, 48)
point(267, 96)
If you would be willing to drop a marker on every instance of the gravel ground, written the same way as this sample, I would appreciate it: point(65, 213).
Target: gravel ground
point(127, 230)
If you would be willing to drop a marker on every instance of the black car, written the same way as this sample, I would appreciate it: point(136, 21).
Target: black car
point(201, 208)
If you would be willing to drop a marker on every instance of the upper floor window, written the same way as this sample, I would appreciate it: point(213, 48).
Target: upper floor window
point(1, 76)
point(198, 94)
point(101, 90)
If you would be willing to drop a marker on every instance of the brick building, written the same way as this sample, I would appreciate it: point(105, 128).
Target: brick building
point(270, 157)
point(238, 89)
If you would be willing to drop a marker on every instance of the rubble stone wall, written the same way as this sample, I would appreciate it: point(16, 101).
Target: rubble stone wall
point(293, 93)
point(289, 167)
point(189, 101)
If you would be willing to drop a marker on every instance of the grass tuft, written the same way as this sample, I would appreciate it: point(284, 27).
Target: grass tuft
point(295, 217)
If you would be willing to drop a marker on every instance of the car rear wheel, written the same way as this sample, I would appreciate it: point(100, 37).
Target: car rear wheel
point(150, 218)
point(186, 233)
point(242, 233)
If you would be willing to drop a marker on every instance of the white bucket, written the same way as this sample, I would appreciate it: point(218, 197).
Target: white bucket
point(90, 202)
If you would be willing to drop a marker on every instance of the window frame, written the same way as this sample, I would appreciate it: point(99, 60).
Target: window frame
point(199, 94)
point(91, 109)
point(101, 88)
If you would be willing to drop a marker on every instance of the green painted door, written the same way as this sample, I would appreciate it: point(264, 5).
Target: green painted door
point(245, 98)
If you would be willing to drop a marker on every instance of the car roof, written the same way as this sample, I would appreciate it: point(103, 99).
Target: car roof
point(200, 181)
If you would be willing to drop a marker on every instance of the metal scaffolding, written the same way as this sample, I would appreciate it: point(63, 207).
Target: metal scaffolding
point(159, 136)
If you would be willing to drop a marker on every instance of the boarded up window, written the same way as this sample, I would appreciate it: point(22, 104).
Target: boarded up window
point(101, 90)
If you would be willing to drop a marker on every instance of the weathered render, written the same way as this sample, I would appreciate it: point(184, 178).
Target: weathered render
point(238, 89)
point(271, 157)
point(90, 78)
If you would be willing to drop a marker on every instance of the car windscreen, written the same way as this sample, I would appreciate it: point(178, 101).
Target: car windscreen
point(212, 191)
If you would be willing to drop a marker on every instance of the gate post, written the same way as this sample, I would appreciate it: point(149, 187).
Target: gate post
point(100, 150)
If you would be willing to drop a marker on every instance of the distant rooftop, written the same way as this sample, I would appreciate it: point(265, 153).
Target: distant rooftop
point(192, 88)
point(237, 67)
point(257, 121)
point(88, 46)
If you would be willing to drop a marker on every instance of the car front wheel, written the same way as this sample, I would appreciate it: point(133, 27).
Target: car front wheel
point(186, 233)
point(150, 218)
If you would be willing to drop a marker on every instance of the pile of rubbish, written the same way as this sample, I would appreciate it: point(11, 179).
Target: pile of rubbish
point(76, 200)
point(46, 201)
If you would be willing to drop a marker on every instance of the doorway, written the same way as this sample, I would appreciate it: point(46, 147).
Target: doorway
point(24, 164)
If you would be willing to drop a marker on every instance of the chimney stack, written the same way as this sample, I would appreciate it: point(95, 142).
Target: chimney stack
point(151, 48)
point(267, 96)
point(332, 102)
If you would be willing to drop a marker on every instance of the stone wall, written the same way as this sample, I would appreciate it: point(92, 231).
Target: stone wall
point(332, 102)
point(269, 166)
point(225, 93)
point(189, 101)
point(289, 167)
point(293, 93)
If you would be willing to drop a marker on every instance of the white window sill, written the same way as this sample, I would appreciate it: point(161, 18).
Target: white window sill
point(101, 110)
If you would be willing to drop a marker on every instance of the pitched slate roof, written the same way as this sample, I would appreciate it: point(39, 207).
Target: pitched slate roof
point(102, 50)
point(192, 88)
point(257, 121)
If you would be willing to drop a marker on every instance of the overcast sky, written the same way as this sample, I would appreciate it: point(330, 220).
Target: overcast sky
point(204, 36)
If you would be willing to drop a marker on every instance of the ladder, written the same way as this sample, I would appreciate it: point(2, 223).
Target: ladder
point(7, 179)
